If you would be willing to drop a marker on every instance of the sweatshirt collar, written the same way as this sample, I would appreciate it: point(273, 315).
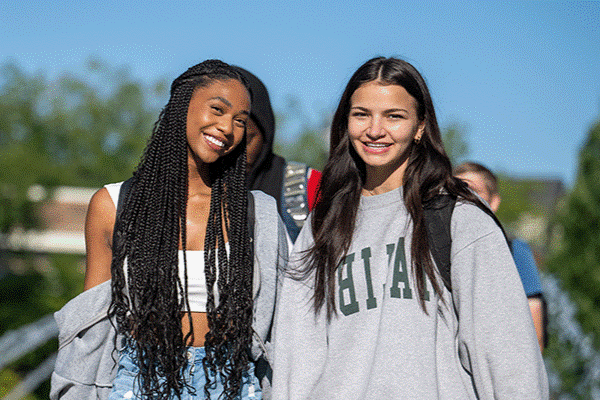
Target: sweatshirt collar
point(391, 198)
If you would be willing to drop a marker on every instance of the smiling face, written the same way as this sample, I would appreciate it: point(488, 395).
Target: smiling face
point(216, 120)
point(382, 126)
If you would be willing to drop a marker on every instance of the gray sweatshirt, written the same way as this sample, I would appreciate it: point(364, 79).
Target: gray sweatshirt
point(477, 343)
point(86, 361)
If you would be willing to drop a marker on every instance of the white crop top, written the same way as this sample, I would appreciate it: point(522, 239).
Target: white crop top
point(197, 293)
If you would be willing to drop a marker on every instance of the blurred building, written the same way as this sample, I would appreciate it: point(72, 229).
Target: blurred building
point(62, 219)
point(61, 214)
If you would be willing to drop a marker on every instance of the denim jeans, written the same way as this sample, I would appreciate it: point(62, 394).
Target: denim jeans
point(126, 385)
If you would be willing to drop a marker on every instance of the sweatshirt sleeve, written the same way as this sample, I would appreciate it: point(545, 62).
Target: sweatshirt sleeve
point(300, 336)
point(496, 337)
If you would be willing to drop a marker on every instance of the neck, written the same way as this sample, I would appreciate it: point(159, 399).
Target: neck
point(380, 181)
point(198, 178)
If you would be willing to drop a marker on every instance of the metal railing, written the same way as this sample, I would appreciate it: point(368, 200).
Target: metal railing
point(16, 343)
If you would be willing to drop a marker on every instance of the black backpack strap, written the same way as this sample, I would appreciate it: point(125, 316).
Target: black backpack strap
point(544, 319)
point(125, 188)
point(544, 306)
point(117, 241)
point(437, 213)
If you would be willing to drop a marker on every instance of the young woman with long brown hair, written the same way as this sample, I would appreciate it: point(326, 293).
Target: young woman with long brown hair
point(363, 312)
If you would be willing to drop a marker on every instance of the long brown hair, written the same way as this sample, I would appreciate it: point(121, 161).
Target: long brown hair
point(428, 173)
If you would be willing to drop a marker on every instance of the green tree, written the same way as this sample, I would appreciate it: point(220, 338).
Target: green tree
point(311, 144)
point(517, 199)
point(575, 260)
point(20, 125)
point(70, 131)
point(309, 148)
point(75, 130)
point(455, 144)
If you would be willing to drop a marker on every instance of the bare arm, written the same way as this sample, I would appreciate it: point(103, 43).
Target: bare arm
point(99, 224)
point(537, 313)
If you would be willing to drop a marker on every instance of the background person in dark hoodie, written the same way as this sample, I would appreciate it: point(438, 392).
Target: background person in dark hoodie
point(294, 185)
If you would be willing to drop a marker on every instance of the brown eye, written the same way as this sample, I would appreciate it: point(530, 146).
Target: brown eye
point(396, 116)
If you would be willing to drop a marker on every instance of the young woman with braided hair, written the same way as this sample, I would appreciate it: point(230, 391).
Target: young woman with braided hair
point(190, 297)
point(363, 312)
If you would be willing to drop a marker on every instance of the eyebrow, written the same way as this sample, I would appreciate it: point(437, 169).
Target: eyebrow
point(223, 99)
point(228, 103)
point(385, 111)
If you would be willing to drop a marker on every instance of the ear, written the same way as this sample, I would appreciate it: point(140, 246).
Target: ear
point(495, 202)
point(420, 131)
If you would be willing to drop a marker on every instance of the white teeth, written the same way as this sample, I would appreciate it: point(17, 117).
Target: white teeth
point(215, 141)
point(378, 145)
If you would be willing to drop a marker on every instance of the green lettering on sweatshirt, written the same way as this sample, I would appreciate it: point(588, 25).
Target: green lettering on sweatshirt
point(400, 272)
point(347, 284)
point(366, 256)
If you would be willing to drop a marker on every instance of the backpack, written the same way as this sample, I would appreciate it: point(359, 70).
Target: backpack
point(299, 194)
point(438, 213)
point(295, 200)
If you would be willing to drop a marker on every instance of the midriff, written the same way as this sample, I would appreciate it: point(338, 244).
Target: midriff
point(200, 324)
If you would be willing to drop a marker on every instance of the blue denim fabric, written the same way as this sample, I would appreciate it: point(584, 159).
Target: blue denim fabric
point(126, 385)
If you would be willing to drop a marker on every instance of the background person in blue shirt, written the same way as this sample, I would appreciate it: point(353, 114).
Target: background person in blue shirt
point(485, 184)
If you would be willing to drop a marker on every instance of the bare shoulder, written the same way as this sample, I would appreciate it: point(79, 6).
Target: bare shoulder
point(99, 224)
point(101, 212)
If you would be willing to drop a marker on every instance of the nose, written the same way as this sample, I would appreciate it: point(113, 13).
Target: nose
point(225, 125)
point(375, 130)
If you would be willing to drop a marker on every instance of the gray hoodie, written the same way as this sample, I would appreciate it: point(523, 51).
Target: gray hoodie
point(477, 342)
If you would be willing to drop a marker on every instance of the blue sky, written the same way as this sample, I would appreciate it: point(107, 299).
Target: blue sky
point(523, 77)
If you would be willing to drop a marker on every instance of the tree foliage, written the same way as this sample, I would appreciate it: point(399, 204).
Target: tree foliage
point(516, 197)
point(309, 148)
point(68, 131)
point(576, 260)
point(73, 130)
point(310, 144)
point(455, 142)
